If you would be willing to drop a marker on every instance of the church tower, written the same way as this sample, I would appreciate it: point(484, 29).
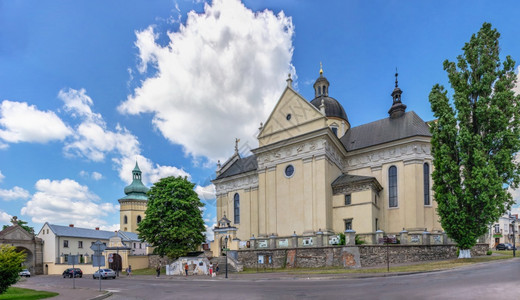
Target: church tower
point(133, 205)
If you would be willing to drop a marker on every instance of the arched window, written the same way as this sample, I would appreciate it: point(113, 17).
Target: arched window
point(138, 219)
point(236, 206)
point(324, 91)
point(125, 220)
point(392, 186)
point(426, 176)
point(319, 91)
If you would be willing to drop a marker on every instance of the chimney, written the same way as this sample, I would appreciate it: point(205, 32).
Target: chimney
point(97, 228)
point(71, 225)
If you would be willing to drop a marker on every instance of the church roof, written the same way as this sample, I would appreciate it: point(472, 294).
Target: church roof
point(332, 107)
point(68, 231)
point(384, 131)
point(136, 190)
point(242, 165)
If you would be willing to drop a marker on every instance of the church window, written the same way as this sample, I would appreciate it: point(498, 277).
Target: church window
point(319, 91)
point(348, 199)
point(236, 206)
point(324, 91)
point(288, 117)
point(426, 171)
point(335, 130)
point(138, 219)
point(348, 224)
point(392, 186)
point(289, 171)
point(80, 244)
point(125, 220)
point(65, 244)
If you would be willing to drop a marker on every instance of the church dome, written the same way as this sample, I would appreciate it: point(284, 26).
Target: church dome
point(332, 107)
point(136, 190)
point(321, 95)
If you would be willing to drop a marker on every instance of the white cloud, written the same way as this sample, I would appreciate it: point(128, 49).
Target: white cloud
point(206, 192)
point(151, 172)
point(5, 218)
point(97, 176)
point(113, 227)
point(217, 79)
point(1, 176)
point(25, 123)
point(14, 193)
point(210, 235)
point(67, 202)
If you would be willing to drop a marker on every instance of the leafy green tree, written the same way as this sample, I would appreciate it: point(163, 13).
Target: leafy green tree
point(474, 143)
point(10, 265)
point(173, 223)
point(22, 224)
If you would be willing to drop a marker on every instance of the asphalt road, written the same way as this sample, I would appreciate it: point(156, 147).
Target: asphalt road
point(482, 281)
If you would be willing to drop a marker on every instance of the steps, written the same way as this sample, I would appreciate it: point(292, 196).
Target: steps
point(221, 260)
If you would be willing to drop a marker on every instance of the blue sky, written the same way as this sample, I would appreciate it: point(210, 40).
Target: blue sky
point(89, 87)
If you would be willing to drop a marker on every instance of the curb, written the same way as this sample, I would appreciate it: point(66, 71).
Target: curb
point(104, 296)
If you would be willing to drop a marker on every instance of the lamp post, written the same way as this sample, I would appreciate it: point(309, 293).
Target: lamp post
point(225, 249)
point(514, 244)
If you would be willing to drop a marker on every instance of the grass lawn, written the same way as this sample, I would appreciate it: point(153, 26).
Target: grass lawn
point(147, 271)
point(421, 267)
point(26, 294)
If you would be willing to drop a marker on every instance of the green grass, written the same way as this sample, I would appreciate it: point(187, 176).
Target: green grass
point(147, 271)
point(26, 294)
point(421, 267)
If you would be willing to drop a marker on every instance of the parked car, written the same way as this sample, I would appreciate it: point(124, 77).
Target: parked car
point(25, 273)
point(105, 273)
point(76, 272)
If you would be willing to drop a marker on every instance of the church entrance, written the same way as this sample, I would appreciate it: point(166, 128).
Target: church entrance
point(116, 264)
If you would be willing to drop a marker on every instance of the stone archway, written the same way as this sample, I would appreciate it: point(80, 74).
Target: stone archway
point(29, 258)
point(18, 237)
point(117, 262)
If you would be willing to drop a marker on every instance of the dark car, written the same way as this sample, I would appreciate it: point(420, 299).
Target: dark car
point(501, 246)
point(76, 272)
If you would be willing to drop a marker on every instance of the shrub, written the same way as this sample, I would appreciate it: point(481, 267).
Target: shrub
point(10, 265)
point(341, 238)
point(489, 252)
point(359, 241)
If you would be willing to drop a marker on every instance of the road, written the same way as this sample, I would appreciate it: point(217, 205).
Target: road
point(481, 281)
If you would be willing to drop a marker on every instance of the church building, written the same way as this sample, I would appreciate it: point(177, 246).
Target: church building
point(312, 172)
point(133, 205)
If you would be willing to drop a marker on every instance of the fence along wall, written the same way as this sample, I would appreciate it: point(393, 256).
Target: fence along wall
point(349, 256)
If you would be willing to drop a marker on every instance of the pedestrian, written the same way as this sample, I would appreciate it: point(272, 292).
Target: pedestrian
point(186, 268)
point(158, 270)
point(210, 269)
point(129, 273)
point(217, 269)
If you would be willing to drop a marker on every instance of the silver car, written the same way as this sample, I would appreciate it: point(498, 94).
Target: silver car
point(105, 273)
point(25, 273)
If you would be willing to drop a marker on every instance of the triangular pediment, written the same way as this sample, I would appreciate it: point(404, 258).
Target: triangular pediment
point(292, 116)
point(16, 232)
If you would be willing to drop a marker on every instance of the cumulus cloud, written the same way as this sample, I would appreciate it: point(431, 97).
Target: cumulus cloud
point(20, 122)
point(152, 172)
point(5, 218)
point(1, 176)
point(67, 202)
point(94, 175)
point(14, 193)
point(206, 192)
point(218, 78)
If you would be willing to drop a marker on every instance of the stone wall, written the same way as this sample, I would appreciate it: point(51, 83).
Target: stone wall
point(350, 256)
point(154, 260)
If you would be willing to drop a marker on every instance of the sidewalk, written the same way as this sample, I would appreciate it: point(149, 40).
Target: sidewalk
point(66, 293)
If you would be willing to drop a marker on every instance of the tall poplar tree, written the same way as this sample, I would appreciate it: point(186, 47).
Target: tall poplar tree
point(475, 140)
point(173, 222)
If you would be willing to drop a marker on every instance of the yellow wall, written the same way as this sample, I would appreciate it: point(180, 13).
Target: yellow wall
point(131, 209)
point(138, 262)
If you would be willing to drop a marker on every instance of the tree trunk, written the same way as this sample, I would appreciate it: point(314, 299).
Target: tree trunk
point(464, 253)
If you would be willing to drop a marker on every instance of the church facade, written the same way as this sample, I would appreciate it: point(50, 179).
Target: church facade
point(313, 172)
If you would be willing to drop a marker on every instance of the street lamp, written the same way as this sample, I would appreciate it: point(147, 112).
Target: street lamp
point(225, 249)
point(514, 244)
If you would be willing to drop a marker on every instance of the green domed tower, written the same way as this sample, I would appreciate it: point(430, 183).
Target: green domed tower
point(133, 205)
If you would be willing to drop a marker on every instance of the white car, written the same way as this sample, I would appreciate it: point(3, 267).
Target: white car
point(25, 273)
point(105, 273)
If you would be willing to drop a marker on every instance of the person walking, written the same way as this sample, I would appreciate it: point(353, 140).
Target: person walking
point(217, 269)
point(158, 270)
point(210, 269)
point(186, 269)
point(129, 271)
